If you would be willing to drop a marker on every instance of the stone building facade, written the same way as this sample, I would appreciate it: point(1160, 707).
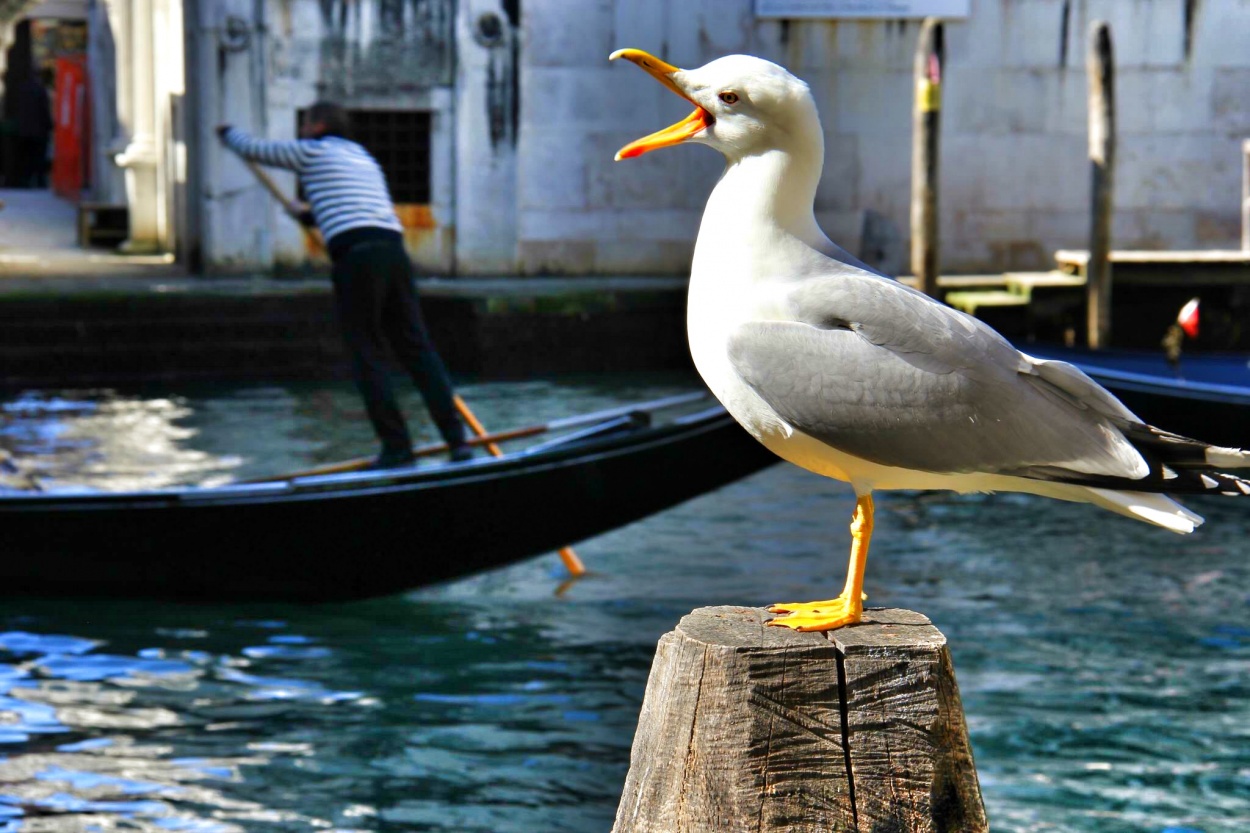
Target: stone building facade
point(498, 119)
point(1014, 169)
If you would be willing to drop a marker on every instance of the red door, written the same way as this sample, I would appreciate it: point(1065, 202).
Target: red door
point(69, 134)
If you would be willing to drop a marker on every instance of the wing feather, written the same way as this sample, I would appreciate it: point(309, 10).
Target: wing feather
point(887, 374)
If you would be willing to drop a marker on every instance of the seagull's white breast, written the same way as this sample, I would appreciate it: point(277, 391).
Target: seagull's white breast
point(727, 290)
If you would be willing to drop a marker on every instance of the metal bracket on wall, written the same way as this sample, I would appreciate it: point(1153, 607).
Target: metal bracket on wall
point(488, 30)
point(236, 34)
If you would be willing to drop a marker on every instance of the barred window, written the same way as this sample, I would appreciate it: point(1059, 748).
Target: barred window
point(400, 141)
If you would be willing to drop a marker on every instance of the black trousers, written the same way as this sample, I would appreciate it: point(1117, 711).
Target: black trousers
point(378, 307)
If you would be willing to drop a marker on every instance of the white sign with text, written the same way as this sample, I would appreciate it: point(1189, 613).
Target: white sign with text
point(861, 8)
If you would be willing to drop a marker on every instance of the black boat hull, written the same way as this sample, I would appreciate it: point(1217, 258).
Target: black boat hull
point(380, 536)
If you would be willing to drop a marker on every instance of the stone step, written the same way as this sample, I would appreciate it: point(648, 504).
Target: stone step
point(969, 302)
point(1026, 282)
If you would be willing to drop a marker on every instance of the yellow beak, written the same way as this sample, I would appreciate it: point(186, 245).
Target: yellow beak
point(697, 121)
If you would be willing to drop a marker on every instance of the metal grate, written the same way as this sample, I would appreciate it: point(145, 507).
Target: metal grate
point(400, 141)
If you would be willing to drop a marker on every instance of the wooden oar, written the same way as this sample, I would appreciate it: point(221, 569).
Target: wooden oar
point(292, 208)
point(262, 175)
point(361, 463)
point(477, 428)
point(571, 562)
point(502, 436)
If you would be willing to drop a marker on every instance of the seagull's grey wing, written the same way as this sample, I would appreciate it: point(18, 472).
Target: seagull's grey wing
point(1072, 383)
point(937, 336)
point(886, 374)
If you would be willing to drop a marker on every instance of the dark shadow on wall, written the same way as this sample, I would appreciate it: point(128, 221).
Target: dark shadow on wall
point(416, 50)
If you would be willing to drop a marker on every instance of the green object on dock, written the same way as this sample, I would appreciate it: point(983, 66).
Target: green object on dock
point(1016, 290)
point(969, 301)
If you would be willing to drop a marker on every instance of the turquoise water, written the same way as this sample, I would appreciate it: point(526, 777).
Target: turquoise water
point(1104, 664)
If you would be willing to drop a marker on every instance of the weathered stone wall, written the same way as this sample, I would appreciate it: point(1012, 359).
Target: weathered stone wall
point(1015, 178)
point(263, 62)
point(527, 114)
point(376, 54)
point(487, 113)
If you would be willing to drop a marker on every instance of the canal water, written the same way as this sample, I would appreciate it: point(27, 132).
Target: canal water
point(1104, 664)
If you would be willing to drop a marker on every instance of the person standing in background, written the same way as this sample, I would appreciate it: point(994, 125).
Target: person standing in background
point(374, 292)
point(32, 117)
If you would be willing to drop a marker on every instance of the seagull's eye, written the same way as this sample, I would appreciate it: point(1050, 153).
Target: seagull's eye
point(729, 98)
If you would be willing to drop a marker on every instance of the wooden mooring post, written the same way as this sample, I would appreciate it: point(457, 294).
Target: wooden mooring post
point(926, 135)
point(1245, 195)
point(1100, 67)
point(752, 729)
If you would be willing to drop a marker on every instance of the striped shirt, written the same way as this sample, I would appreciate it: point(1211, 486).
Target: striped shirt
point(345, 186)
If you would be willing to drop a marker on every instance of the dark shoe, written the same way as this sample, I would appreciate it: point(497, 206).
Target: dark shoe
point(394, 460)
point(460, 453)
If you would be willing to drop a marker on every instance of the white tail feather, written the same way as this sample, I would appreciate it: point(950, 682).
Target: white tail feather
point(1152, 508)
point(1227, 458)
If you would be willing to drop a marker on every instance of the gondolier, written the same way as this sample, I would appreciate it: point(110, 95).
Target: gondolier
point(373, 277)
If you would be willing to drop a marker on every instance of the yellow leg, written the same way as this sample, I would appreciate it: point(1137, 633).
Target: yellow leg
point(848, 608)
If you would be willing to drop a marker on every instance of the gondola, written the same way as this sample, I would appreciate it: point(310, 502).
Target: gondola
point(341, 535)
point(1201, 395)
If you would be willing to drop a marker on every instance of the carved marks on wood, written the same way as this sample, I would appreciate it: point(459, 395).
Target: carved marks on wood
point(753, 729)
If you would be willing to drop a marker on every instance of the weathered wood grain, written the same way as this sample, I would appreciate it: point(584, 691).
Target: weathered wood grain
point(926, 151)
point(751, 728)
point(1245, 196)
point(1100, 70)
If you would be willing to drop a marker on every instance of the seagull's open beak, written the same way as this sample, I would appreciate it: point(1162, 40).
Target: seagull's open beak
point(697, 121)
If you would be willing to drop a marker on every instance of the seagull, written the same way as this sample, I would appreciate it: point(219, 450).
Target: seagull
point(850, 374)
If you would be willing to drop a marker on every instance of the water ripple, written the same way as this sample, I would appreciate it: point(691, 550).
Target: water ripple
point(1104, 666)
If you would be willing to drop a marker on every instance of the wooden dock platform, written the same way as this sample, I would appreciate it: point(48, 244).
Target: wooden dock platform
point(1205, 267)
point(1150, 287)
point(1007, 289)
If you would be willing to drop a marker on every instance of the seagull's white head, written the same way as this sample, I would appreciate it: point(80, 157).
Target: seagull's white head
point(743, 106)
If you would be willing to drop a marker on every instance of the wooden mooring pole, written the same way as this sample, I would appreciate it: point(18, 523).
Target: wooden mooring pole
point(1245, 195)
point(1100, 68)
point(926, 131)
point(753, 729)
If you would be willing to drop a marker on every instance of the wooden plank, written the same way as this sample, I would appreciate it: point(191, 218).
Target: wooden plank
point(1193, 269)
point(758, 729)
point(970, 302)
point(1078, 258)
point(1026, 282)
point(994, 281)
